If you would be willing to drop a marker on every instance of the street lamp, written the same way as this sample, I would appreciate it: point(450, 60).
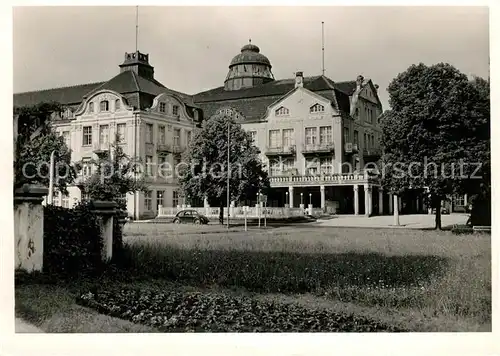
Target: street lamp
point(286, 193)
point(301, 198)
point(310, 198)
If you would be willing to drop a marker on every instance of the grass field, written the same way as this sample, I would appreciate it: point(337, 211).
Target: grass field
point(415, 280)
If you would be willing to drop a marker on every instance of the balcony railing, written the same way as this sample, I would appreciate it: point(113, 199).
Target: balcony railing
point(351, 147)
point(280, 151)
point(318, 148)
point(372, 152)
point(328, 179)
point(163, 148)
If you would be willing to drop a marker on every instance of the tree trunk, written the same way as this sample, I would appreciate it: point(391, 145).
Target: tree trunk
point(221, 213)
point(437, 204)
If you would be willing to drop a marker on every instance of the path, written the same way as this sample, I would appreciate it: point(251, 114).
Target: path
point(420, 221)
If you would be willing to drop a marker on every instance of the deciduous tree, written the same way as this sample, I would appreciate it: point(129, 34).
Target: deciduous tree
point(205, 171)
point(435, 134)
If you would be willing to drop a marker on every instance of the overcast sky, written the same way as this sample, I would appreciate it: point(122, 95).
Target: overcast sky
point(191, 47)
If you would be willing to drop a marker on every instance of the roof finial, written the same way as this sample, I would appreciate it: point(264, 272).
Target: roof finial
point(249, 40)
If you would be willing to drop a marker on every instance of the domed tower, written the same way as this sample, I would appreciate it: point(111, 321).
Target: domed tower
point(248, 69)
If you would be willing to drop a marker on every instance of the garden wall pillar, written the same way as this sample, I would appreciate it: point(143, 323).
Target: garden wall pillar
point(105, 210)
point(356, 199)
point(28, 227)
point(381, 201)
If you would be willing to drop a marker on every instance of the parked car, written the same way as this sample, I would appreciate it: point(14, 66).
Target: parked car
point(190, 216)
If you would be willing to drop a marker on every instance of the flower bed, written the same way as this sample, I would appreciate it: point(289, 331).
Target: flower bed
point(213, 312)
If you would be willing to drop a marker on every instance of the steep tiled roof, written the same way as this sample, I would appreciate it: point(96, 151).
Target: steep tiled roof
point(138, 91)
point(253, 102)
point(71, 95)
point(348, 87)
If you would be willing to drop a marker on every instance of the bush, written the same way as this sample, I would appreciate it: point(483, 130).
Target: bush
point(212, 312)
point(72, 241)
point(481, 212)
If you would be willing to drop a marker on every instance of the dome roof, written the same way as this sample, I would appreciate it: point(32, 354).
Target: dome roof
point(250, 54)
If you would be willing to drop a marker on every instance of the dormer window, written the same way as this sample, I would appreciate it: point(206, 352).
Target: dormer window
point(91, 107)
point(104, 105)
point(175, 110)
point(282, 111)
point(163, 107)
point(317, 108)
point(117, 104)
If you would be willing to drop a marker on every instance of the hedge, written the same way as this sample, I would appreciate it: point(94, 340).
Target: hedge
point(72, 241)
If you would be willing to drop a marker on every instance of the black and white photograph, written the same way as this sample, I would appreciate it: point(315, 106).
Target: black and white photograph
point(251, 170)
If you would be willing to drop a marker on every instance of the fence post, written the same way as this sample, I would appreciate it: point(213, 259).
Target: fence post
point(28, 227)
point(105, 210)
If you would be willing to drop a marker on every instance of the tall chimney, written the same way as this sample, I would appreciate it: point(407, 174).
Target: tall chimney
point(359, 82)
point(299, 79)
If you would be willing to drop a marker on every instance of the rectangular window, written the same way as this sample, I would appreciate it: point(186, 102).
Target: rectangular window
point(65, 201)
point(104, 106)
point(148, 200)
point(169, 128)
point(163, 167)
point(347, 136)
point(356, 137)
point(311, 166)
point(161, 135)
point(274, 138)
point(254, 136)
point(275, 168)
point(177, 137)
point(117, 104)
point(159, 197)
point(162, 107)
point(120, 131)
point(87, 166)
point(288, 164)
point(87, 135)
point(459, 200)
point(325, 135)
point(175, 110)
point(175, 198)
point(288, 138)
point(103, 135)
point(149, 133)
point(310, 135)
point(66, 138)
point(326, 165)
point(55, 199)
point(149, 165)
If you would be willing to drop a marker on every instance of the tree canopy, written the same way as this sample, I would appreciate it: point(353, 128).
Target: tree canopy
point(116, 175)
point(436, 134)
point(205, 172)
point(35, 142)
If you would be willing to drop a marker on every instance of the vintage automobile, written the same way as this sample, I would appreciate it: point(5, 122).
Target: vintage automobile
point(190, 216)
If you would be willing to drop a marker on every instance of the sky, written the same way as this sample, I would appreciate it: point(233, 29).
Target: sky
point(191, 47)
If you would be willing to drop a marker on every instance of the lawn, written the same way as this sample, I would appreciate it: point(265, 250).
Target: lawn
point(393, 279)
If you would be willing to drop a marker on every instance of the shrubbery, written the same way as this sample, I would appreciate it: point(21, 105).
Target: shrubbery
point(72, 241)
point(202, 312)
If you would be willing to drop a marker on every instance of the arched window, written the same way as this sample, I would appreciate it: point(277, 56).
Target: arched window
point(117, 104)
point(317, 108)
point(104, 105)
point(91, 107)
point(282, 111)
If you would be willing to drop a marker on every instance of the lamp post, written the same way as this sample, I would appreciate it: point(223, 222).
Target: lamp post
point(301, 198)
point(50, 198)
point(286, 193)
point(310, 198)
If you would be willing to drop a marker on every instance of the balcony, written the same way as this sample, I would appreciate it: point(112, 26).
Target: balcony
point(280, 151)
point(101, 149)
point(351, 148)
point(325, 179)
point(178, 149)
point(319, 148)
point(164, 148)
point(372, 154)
